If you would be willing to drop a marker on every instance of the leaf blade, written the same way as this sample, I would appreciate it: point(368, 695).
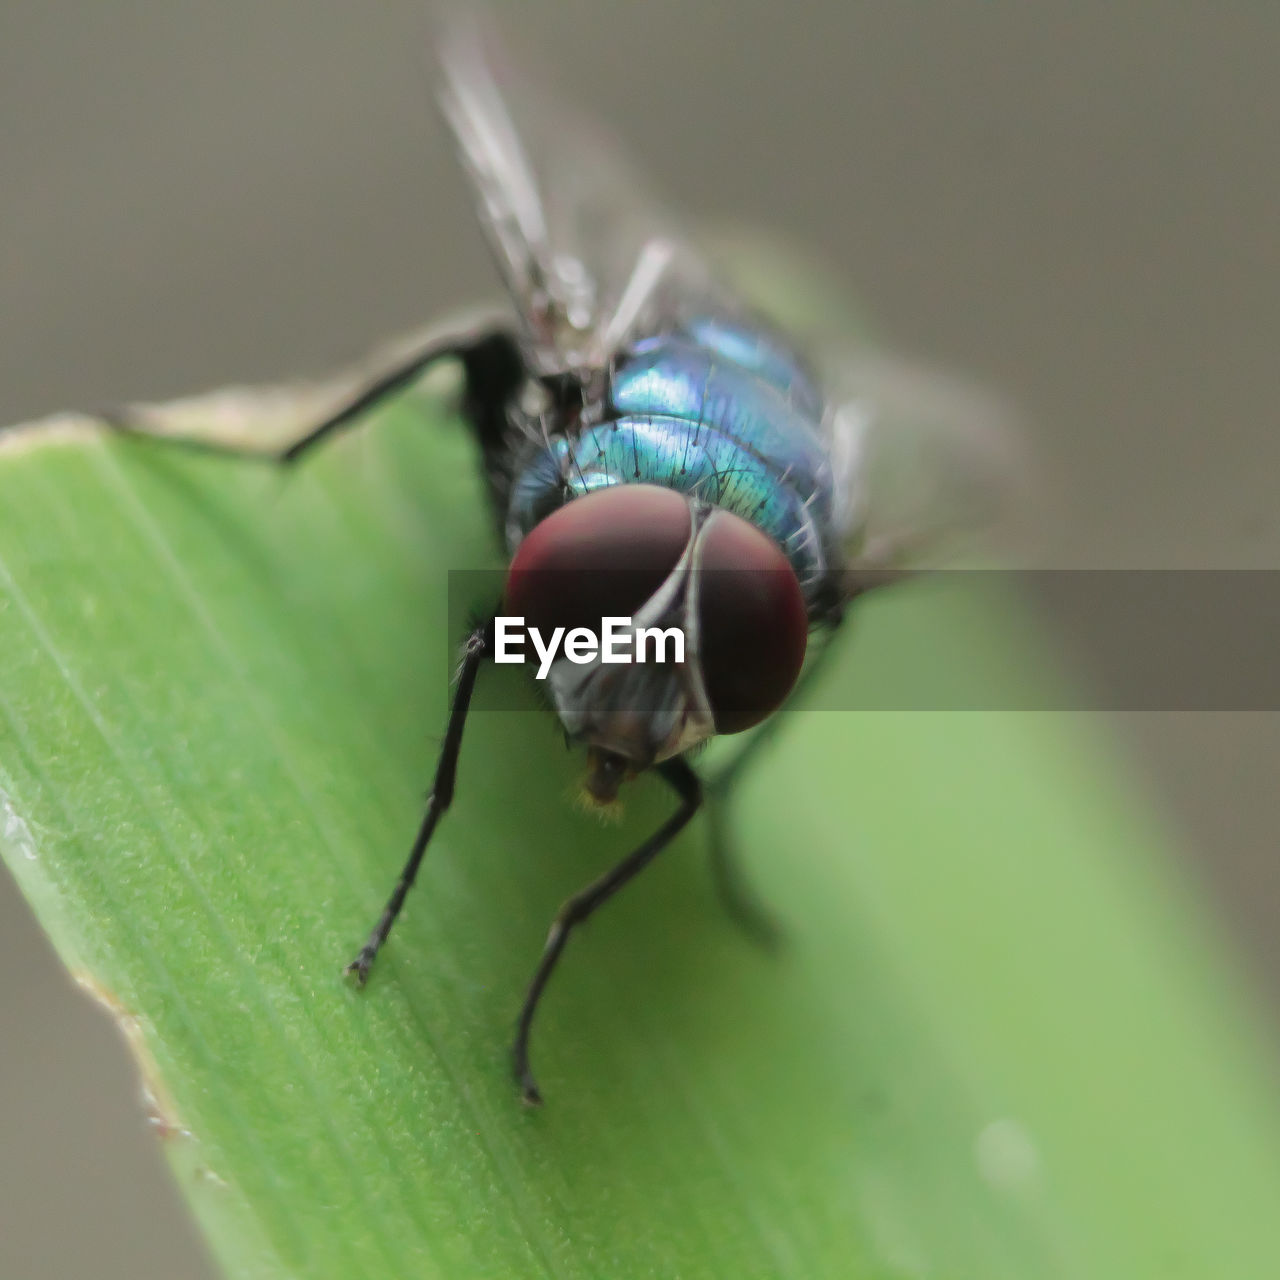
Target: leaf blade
point(221, 700)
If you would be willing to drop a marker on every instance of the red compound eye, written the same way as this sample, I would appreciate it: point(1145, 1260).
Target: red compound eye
point(605, 554)
point(755, 627)
point(601, 555)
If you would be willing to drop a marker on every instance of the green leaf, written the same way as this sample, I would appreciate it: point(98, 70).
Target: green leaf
point(1003, 1041)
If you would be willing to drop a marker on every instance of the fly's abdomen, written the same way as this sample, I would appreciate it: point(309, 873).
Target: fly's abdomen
point(752, 349)
point(714, 412)
point(675, 377)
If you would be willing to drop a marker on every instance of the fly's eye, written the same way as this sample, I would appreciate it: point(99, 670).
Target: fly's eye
point(601, 555)
point(754, 624)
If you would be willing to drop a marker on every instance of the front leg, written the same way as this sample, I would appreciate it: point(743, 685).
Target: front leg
point(478, 647)
point(493, 371)
point(689, 788)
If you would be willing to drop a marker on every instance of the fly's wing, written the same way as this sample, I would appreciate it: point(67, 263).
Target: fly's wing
point(921, 461)
point(586, 254)
point(928, 470)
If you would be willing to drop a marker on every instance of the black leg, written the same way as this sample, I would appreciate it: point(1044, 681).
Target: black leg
point(741, 902)
point(478, 646)
point(368, 397)
point(493, 371)
point(493, 368)
point(688, 787)
point(743, 905)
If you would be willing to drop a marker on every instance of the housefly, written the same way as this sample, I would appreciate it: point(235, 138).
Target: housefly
point(656, 449)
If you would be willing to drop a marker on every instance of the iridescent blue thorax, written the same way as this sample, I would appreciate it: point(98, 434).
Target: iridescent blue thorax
point(714, 410)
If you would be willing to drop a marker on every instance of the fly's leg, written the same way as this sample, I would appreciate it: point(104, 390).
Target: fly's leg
point(493, 370)
point(689, 788)
point(478, 646)
point(741, 902)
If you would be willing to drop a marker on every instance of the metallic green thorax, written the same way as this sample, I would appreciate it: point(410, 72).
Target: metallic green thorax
point(715, 411)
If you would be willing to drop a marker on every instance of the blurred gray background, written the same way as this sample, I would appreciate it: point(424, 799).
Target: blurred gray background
point(1075, 202)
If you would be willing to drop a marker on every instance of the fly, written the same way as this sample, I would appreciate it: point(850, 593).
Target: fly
point(656, 449)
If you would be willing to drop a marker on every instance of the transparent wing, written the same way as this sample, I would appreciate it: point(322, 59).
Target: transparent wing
point(587, 254)
point(929, 470)
point(923, 462)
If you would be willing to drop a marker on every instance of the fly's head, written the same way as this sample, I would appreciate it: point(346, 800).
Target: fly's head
point(698, 619)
